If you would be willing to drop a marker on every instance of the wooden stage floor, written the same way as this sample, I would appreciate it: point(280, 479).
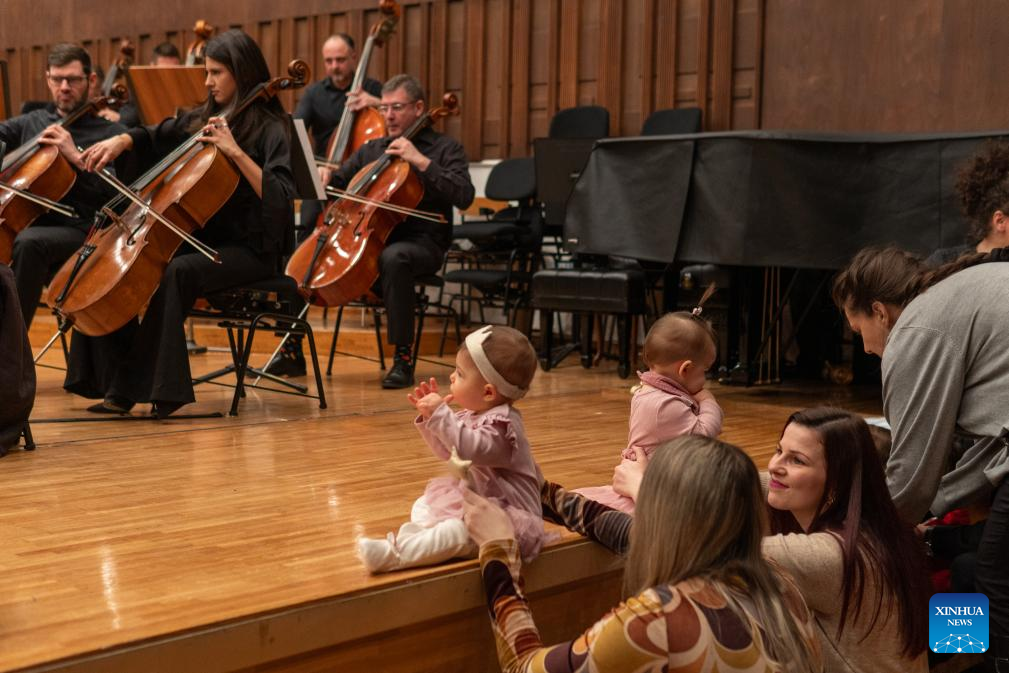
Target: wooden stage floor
point(222, 544)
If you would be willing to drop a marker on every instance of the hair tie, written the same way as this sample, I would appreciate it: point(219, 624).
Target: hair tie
point(474, 344)
point(696, 312)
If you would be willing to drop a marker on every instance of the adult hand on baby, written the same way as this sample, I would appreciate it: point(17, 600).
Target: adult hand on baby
point(485, 520)
point(628, 474)
point(426, 399)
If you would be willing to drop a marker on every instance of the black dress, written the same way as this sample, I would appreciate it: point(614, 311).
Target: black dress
point(149, 362)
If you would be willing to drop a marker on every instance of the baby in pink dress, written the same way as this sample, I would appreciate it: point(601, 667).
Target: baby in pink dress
point(671, 400)
point(493, 370)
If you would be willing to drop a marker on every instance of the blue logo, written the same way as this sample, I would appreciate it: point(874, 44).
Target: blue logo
point(958, 623)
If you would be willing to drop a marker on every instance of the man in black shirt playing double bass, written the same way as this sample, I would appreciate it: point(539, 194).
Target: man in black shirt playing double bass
point(40, 250)
point(416, 247)
point(321, 107)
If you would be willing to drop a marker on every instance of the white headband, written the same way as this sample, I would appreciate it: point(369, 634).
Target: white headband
point(474, 344)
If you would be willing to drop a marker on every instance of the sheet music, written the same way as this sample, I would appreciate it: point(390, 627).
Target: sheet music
point(303, 165)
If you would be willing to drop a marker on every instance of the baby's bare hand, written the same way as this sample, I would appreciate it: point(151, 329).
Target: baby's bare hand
point(428, 404)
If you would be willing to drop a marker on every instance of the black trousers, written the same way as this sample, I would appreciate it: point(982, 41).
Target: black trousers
point(310, 211)
point(149, 362)
point(398, 266)
point(991, 576)
point(39, 252)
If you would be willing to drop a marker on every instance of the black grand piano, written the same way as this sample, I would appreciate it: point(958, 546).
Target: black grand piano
point(804, 201)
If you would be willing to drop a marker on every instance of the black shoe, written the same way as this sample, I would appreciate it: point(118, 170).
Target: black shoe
point(400, 376)
point(160, 409)
point(288, 362)
point(112, 404)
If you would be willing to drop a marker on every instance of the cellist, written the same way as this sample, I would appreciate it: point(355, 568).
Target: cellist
point(416, 246)
point(41, 249)
point(251, 232)
point(321, 106)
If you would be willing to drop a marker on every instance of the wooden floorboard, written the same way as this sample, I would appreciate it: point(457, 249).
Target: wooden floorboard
point(118, 533)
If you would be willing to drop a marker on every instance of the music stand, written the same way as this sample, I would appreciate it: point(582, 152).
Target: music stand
point(159, 91)
point(559, 162)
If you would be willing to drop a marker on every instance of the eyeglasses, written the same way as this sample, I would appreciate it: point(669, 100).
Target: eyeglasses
point(75, 80)
point(395, 107)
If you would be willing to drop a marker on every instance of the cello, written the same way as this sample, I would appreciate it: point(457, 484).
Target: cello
point(357, 128)
point(119, 267)
point(338, 262)
point(41, 171)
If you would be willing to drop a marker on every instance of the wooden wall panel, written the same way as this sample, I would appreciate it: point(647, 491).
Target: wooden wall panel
point(884, 65)
point(513, 63)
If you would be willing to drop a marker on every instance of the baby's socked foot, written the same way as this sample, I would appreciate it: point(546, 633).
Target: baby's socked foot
point(379, 555)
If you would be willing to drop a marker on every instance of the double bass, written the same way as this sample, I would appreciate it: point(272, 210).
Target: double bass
point(116, 75)
point(357, 128)
point(39, 171)
point(338, 262)
point(196, 52)
point(119, 267)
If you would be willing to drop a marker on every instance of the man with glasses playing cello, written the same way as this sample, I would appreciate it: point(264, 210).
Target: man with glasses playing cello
point(416, 246)
point(40, 250)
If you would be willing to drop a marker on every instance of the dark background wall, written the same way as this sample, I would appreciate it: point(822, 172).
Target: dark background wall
point(851, 65)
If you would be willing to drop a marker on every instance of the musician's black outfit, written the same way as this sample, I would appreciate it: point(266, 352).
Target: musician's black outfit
point(416, 247)
point(41, 249)
point(149, 362)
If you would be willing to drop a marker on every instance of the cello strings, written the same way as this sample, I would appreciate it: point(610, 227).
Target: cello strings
point(200, 246)
point(422, 214)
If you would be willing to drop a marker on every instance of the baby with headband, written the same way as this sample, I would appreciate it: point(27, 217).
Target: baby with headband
point(671, 400)
point(486, 446)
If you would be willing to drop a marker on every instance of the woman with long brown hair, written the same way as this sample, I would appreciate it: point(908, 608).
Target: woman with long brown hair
point(694, 565)
point(251, 232)
point(944, 343)
point(835, 529)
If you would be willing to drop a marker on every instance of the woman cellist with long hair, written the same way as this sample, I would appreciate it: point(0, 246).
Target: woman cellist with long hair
point(250, 232)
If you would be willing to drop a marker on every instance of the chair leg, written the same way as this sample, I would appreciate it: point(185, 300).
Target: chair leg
point(26, 432)
point(378, 338)
point(458, 330)
point(444, 335)
point(242, 367)
point(332, 346)
point(547, 325)
point(421, 312)
point(587, 331)
point(315, 362)
point(624, 338)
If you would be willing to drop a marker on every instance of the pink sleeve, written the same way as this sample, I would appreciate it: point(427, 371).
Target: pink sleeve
point(708, 421)
point(672, 417)
point(487, 444)
point(423, 427)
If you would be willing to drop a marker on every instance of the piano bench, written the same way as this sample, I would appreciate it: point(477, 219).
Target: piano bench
point(622, 292)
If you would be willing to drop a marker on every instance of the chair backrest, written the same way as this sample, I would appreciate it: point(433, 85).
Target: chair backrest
point(512, 180)
point(673, 121)
point(586, 121)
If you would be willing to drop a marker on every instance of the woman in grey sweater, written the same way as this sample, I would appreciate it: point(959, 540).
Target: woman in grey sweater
point(944, 342)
